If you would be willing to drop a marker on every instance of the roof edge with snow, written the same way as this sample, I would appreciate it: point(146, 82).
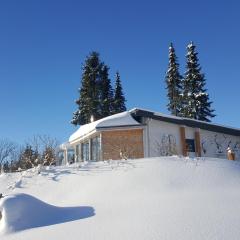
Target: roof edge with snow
point(130, 119)
point(138, 112)
point(119, 120)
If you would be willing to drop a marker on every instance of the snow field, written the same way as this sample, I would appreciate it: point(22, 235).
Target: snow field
point(155, 198)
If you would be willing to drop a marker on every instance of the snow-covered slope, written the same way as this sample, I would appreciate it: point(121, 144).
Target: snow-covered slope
point(158, 198)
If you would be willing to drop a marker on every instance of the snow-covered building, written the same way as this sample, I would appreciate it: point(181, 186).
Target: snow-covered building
point(142, 133)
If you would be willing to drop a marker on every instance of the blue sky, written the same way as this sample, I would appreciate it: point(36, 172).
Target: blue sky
point(43, 44)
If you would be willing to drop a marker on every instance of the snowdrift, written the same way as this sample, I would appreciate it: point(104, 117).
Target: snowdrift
point(23, 211)
point(169, 198)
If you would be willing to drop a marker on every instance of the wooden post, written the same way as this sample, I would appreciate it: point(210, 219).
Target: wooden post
point(198, 143)
point(230, 154)
point(183, 140)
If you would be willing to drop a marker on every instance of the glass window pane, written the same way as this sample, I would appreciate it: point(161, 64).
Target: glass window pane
point(95, 149)
point(70, 153)
point(85, 151)
point(78, 157)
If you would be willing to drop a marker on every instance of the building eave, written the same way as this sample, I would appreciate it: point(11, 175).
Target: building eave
point(136, 113)
point(109, 128)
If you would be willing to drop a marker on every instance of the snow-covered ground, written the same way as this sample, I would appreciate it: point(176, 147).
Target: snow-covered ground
point(156, 198)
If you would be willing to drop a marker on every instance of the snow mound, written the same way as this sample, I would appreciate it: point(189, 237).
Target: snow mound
point(153, 198)
point(23, 211)
point(116, 120)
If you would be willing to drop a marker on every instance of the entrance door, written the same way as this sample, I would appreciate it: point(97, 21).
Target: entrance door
point(190, 146)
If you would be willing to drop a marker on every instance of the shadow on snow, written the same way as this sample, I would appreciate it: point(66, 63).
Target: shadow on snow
point(22, 211)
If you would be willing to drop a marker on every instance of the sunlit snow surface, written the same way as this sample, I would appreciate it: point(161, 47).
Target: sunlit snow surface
point(155, 198)
point(116, 120)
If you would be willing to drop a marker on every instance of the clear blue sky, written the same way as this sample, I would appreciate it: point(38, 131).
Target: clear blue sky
point(43, 43)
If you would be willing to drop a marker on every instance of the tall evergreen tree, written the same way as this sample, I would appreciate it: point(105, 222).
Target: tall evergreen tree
point(88, 102)
point(174, 83)
point(105, 93)
point(96, 94)
point(196, 102)
point(119, 99)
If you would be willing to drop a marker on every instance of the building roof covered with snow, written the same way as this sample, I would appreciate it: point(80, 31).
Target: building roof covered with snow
point(132, 118)
point(123, 119)
point(139, 113)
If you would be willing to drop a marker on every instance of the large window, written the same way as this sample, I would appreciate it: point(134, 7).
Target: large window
point(78, 150)
point(190, 145)
point(60, 157)
point(92, 152)
point(85, 151)
point(70, 155)
point(95, 149)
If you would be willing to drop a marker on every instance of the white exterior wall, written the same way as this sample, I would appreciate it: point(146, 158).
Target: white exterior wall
point(215, 144)
point(164, 138)
point(190, 132)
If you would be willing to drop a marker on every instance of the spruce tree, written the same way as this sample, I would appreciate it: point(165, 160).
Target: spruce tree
point(119, 99)
point(96, 98)
point(174, 83)
point(105, 93)
point(196, 102)
point(88, 102)
point(28, 157)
